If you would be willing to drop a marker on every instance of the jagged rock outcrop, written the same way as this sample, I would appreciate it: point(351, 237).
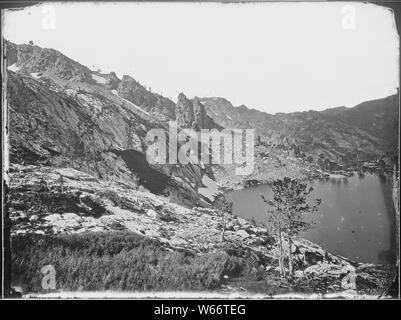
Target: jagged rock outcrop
point(112, 81)
point(192, 114)
point(201, 118)
point(184, 111)
point(133, 91)
point(188, 113)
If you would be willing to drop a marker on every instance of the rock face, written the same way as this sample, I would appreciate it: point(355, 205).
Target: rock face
point(201, 119)
point(185, 111)
point(192, 114)
point(133, 91)
point(112, 81)
point(33, 59)
point(72, 118)
point(52, 128)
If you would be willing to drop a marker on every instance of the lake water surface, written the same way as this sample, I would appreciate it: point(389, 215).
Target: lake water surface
point(356, 218)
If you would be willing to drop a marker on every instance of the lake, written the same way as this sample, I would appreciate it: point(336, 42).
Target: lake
point(356, 218)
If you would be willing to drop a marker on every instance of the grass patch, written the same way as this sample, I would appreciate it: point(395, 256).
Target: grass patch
point(117, 261)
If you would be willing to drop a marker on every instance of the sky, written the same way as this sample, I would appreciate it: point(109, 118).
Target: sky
point(274, 57)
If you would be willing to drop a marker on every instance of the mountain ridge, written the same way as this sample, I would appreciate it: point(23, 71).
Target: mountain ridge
point(32, 60)
point(336, 130)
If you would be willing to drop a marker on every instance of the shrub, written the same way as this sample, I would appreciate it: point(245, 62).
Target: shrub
point(55, 202)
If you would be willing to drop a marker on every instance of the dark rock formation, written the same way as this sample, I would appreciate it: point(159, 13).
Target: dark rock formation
point(192, 114)
point(184, 111)
point(201, 119)
point(112, 81)
point(133, 91)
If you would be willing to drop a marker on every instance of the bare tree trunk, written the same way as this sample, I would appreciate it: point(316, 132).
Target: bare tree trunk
point(280, 260)
point(290, 262)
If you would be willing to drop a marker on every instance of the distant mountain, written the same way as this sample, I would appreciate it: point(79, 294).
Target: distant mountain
point(377, 117)
point(368, 129)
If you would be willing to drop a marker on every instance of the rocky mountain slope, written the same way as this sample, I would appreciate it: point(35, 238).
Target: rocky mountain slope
point(63, 114)
point(368, 129)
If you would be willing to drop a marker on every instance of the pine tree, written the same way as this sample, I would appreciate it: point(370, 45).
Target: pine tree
point(285, 214)
point(224, 209)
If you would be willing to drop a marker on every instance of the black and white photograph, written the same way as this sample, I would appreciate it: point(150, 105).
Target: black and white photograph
point(200, 150)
